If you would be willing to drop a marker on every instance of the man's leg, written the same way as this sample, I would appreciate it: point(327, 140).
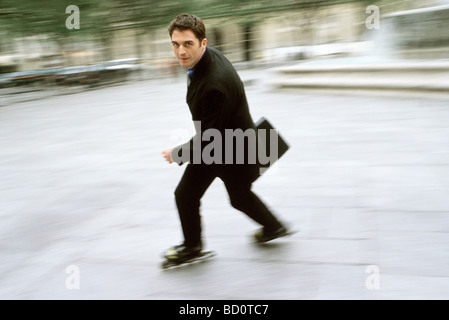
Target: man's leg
point(190, 190)
point(242, 198)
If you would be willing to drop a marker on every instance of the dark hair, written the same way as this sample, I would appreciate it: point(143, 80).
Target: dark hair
point(190, 22)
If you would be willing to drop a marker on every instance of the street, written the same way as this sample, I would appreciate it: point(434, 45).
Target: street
point(87, 204)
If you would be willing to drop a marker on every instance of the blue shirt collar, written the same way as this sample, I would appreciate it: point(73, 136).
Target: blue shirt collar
point(190, 71)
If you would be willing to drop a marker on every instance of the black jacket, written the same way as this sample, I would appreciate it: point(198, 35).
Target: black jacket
point(216, 98)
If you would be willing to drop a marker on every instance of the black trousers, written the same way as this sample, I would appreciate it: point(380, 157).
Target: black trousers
point(238, 181)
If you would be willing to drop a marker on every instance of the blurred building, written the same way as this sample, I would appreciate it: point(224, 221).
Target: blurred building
point(298, 31)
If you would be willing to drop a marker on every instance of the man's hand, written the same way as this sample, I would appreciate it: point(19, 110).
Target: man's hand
point(166, 153)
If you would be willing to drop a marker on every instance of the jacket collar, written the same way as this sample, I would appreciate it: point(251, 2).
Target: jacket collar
point(201, 65)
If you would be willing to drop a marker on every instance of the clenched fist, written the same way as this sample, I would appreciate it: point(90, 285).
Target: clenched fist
point(166, 153)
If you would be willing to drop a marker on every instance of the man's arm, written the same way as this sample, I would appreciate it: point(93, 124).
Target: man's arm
point(212, 115)
point(213, 112)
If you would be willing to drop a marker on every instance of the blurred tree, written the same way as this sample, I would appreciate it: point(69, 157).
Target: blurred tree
point(24, 18)
point(45, 21)
point(100, 18)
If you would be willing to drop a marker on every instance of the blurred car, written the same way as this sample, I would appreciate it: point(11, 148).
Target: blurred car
point(102, 73)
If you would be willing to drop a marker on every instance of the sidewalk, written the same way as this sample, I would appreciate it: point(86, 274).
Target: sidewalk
point(84, 185)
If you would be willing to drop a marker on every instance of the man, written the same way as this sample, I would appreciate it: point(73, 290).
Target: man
point(217, 100)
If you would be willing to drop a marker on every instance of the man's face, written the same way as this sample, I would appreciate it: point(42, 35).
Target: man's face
point(187, 47)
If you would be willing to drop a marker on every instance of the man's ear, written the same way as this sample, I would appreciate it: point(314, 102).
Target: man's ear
point(204, 42)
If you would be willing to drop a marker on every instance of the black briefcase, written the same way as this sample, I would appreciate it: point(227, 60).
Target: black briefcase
point(267, 134)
